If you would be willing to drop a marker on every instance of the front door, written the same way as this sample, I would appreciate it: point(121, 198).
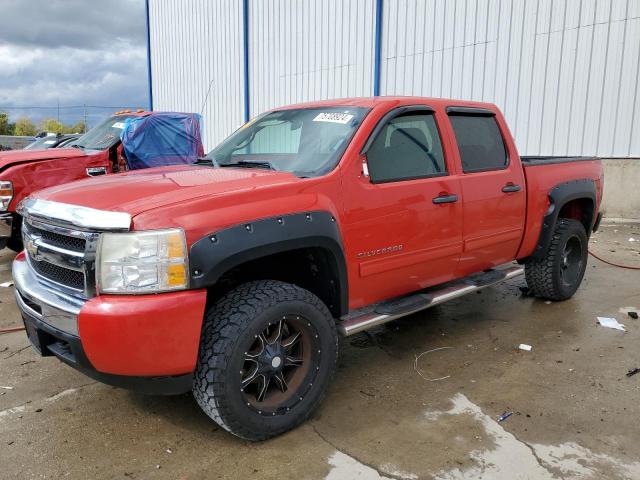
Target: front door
point(493, 189)
point(403, 223)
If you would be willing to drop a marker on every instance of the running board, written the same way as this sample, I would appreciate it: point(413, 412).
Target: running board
point(393, 309)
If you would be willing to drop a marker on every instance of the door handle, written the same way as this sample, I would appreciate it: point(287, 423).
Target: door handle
point(96, 171)
point(445, 199)
point(511, 187)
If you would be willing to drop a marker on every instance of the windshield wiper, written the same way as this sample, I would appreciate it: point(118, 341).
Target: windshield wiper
point(206, 161)
point(75, 145)
point(250, 164)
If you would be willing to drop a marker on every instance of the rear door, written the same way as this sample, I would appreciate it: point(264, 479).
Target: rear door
point(404, 216)
point(493, 189)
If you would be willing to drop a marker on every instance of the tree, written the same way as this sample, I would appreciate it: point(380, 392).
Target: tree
point(6, 128)
point(25, 126)
point(52, 125)
point(79, 127)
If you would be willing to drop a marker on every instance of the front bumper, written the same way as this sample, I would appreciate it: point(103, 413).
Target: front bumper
point(147, 343)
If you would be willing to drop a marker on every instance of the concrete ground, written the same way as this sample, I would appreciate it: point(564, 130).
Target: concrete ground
point(387, 414)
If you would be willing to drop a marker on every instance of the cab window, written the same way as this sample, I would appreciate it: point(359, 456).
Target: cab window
point(408, 147)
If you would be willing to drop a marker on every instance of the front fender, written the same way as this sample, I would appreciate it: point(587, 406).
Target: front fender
point(218, 252)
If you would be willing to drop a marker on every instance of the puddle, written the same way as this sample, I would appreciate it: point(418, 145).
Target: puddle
point(344, 467)
point(513, 459)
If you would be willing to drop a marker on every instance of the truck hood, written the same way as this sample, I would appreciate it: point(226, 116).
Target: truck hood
point(143, 190)
point(15, 157)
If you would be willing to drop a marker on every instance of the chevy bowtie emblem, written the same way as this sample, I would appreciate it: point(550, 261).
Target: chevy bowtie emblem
point(32, 248)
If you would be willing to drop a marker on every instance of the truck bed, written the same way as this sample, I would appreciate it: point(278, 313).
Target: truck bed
point(533, 161)
point(542, 174)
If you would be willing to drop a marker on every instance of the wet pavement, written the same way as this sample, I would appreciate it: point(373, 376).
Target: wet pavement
point(387, 415)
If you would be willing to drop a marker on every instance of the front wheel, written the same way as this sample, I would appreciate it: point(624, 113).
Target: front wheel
point(267, 355)
point(558, 274)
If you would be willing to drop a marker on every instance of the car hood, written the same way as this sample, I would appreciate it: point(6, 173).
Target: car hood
point(143, 190)
point(14, 157)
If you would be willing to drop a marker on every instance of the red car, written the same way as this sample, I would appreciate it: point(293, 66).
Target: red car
point(97, 152)
point(233, 278)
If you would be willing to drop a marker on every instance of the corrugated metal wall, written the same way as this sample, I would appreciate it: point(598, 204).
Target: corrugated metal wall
point(196, 47)
point(565, 72)
point(303, 50)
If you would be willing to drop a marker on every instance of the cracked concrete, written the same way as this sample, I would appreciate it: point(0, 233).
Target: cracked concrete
point(575, 411)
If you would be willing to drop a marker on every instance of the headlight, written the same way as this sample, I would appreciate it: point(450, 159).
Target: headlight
point(142, 262)
point(6, 194)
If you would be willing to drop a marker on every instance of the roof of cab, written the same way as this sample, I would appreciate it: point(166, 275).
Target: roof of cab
point(372, 102)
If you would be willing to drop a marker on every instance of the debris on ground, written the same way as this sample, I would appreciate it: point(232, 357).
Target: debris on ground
point(611, 323)
point(633, 315)
point(415, 364)
point(633, 371)
point(6, 284)
point(525, 347)
point(504, 416)
point(631, 239)
point(6, 388)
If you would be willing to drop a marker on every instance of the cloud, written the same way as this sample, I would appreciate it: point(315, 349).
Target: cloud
point(72, 23)
point(72, 52)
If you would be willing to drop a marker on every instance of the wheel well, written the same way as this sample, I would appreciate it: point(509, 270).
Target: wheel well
point(581, 209)
point(313, 268)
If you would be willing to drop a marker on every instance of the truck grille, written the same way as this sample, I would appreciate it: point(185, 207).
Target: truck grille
point(58, 240)
point(61, 256)
point(60, 275)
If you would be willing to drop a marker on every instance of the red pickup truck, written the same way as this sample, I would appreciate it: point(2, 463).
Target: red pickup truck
point(97, 152)
point(234, 277)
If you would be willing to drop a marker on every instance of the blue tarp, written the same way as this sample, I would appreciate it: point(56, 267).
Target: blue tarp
point(162, 138)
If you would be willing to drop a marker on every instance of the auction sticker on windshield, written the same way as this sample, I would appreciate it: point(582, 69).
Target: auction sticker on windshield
point(332, 117)
point(118, 125)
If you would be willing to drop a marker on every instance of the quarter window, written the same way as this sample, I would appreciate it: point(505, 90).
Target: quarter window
point(408, 147)
point(479, 142)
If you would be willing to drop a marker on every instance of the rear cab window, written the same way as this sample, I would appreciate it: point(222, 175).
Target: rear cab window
point(479, 140)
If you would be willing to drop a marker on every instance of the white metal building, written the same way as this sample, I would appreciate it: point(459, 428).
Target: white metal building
point(566, 73)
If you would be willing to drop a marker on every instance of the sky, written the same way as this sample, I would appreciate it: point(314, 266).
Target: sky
point(74, 52)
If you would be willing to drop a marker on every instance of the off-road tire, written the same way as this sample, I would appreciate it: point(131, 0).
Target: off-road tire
point(545, 277)
point(234, 322)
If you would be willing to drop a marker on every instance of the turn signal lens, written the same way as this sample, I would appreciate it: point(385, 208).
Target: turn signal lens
point(6, 194)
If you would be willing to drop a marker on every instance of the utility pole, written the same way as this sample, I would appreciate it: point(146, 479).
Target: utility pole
point(58, 110)
point(84, 108)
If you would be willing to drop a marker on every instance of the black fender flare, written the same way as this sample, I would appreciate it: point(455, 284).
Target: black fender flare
point(559, 196)
point(218, 252)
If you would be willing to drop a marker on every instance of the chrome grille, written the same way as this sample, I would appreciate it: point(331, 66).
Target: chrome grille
point(62, 241)
point(61, 256)
point(60, 275)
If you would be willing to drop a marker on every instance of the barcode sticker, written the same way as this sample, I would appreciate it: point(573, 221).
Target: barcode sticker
point(118, 125)
point(342, 118)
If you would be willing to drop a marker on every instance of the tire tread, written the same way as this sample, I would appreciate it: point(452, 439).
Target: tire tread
point(224, 323)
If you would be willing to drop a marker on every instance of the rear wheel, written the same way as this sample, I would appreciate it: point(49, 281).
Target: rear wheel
point(267, 355)
point(559, 273)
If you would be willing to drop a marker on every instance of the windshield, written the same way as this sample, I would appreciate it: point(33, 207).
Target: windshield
point(44, 142)
point(104, 135)
point(306, 142)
